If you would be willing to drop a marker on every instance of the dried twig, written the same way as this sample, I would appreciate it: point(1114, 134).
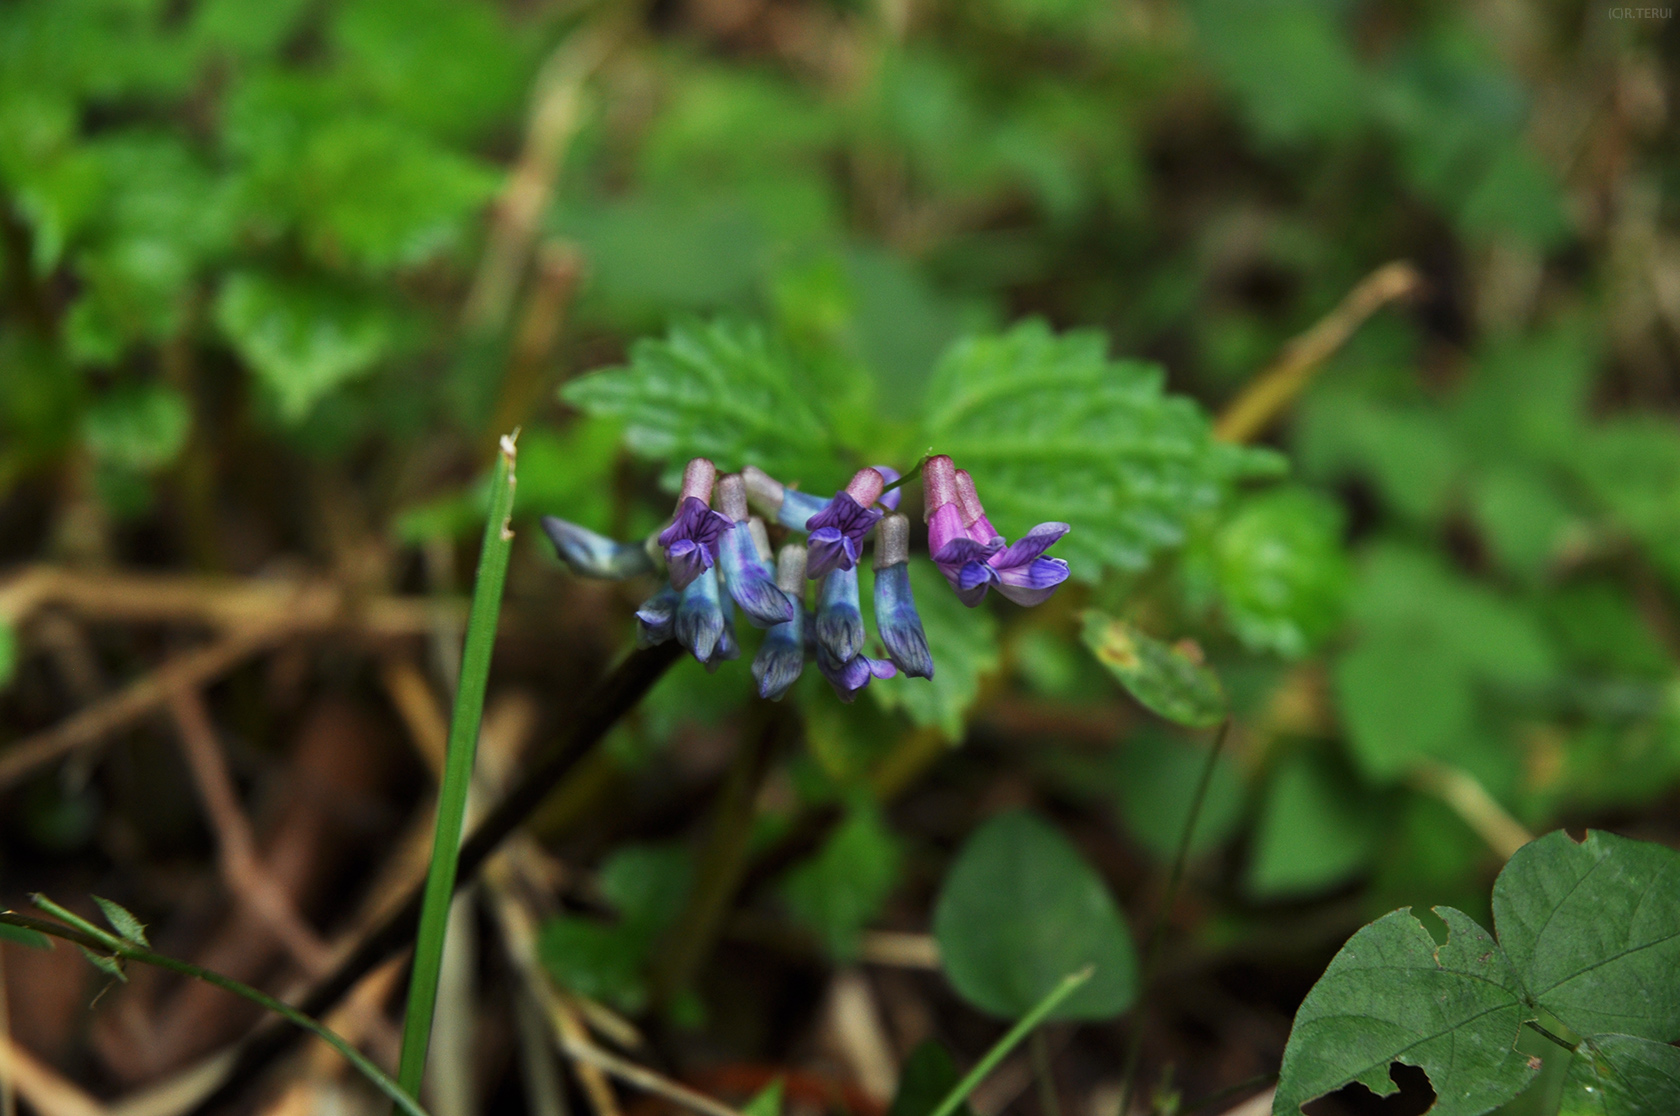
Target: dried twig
point(142, 696)
point(242, 866)
point(898, 950)
point(1266, 397)
point(37, 1083)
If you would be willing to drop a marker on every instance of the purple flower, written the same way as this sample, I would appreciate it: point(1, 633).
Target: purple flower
point(781, 657)
point(895, 611)
point(889, 498)
point(654, 620)
point(592, 555)
point(973, 556)
point(691, 541)
point(699, 619)
point(837, 530)
point(850, 676)
point(839, 626)
point(752, 586)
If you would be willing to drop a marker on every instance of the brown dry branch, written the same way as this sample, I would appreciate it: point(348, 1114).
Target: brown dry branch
point(1270, 393)
point(242, 868)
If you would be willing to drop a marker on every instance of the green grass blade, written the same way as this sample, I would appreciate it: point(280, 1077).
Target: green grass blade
point(99, 943)
point(959, 1093)
point(457, 770)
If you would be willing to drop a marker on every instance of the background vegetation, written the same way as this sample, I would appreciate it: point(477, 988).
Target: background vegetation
point(277, 275)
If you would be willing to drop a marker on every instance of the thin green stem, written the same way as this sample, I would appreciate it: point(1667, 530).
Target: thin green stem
point(91, 937)
point(1047, 1103)
point(457, 771)
point(907, 477)
point(1544, 1033)
point(1152, 955)
point(959, 1093)
point(1230, 1091)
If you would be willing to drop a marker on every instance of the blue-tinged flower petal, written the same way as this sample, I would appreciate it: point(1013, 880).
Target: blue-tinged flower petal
point(899, 623)
point(1032, 583)
point(749, 582)
point(798, 507)
point(780, 658)
point(964, 563)
point(726, 648)
point(839, 627)
point(592, 555)
point(656, 618)
point(699, 623)
point(890, 497)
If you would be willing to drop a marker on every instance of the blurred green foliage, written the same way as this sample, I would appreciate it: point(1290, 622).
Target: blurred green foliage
point(1049, 237)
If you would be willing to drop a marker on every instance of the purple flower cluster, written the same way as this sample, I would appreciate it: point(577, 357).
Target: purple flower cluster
point(721, 559)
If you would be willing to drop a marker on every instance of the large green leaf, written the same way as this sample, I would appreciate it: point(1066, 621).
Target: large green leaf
point(1316, 829)
point(1154, 778)
point(1620, 1075)
point(721, 390)
point(1167, 680)
point(1053, 430)
point(1594, 931)
point(1393, 995)
point(1019, 910)
point(928, 1076)
point(964, 645)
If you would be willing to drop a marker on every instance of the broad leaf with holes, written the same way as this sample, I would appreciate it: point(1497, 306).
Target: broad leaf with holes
point(1594, 931)
point(1589, 933)
point(721, 390)
point(1019, 910)
point(1393, 995)
point(1620, 1075)
point(1054, 430)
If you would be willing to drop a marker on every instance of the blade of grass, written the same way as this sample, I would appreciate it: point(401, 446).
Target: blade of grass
point(92, 938)
point(457, 771)
point(1152, 956)
point(959, 1093)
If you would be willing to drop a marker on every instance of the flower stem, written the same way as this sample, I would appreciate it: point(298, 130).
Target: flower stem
point(959, 1092)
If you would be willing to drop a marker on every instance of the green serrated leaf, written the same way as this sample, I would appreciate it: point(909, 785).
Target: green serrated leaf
point(1392, 995)
point(838, 891)
point(1169, 681)
point(1053, 430)
point(139, 427)
point(1621, 1075)
point(1018, 911)
point(1593, 929)
point(303, 340)
point(123, 922)
point(105, 964)
point(721, 390)
point(964, 645)
point(24, 936)
point(927, 1076)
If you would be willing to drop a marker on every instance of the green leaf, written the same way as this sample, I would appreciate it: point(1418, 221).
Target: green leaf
point(22, 935)
point(1288, 63)
point(1594, 931)
point(1392, 995)
point(767, 1102)
point(302, 339)
point(1620, 1075)
point(123, 922)
point(107, 965)
point(964, 645)
point(841, 889)
point(1278, 569)
point(1053, 430)
point(1018, 911)
point(1402, 701)
point(927, 1076)
point(1316, 829)
point(141, 426)
point(8, 652)
point(721, 390)
point(1155, 779)
point(1167, 680)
